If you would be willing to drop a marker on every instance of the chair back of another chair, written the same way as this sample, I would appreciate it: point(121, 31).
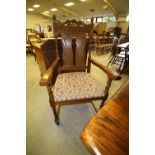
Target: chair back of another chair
point(46, 54)
point(114, 48)
point(121, 40)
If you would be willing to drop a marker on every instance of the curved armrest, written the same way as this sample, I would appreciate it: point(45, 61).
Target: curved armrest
point(47, 76)
point(111, 74)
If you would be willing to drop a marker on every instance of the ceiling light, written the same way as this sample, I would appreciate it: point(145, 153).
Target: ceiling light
point(54, 9)
point(83, 0)
point(30, 9)
point(36, 6)
point(92, 10)
point(69, 4)
point(46, 12)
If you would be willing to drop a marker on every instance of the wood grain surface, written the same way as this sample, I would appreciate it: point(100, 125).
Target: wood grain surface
point(107, 133)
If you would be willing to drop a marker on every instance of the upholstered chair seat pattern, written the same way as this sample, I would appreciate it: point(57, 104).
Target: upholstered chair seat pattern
point(76, 85)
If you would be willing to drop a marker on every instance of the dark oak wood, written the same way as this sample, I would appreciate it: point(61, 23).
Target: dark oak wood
point(46, 54)
point(107, 133)
point(48, 76)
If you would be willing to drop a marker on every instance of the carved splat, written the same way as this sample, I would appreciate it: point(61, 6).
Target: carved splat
point(74, 50)
point(75, 36)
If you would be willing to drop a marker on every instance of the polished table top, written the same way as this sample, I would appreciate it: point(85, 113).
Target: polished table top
point(107, 133)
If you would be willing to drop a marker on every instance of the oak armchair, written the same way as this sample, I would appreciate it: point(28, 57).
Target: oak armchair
point(66, 73)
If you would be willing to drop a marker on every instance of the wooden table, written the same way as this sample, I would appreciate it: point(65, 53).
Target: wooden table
point(107, 133)
point(124, 51)
point(124, 45)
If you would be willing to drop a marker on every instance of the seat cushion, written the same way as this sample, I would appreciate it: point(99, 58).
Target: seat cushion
point(76, 85)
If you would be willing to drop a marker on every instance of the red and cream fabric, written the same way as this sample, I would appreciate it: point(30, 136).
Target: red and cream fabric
point(76, 85)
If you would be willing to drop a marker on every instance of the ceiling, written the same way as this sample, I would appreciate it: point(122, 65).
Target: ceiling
point(121, 6)
point(80, 9)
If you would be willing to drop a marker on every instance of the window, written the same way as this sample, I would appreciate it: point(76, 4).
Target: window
point(88, 20)
point(99, 19)
point(105, 19)
point(112, 19)
point(38, 27)
point(94, 19)
point(102, 19)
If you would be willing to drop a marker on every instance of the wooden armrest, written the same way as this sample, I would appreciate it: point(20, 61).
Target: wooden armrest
point(111, 74)
point(47, 76)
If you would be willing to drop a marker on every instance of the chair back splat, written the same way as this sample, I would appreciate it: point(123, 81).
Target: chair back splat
point(73, 47)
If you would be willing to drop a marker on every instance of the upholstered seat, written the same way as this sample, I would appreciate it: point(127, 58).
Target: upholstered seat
point(76, 85)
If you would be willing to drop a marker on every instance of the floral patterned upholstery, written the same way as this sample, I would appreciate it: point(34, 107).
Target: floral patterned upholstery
point(76, 85)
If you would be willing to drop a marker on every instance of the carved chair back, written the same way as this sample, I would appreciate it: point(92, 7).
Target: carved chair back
point(73, 47)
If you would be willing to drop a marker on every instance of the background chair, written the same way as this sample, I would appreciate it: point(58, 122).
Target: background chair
point(113, 49)
point(104, 44)
point(32, 38)
point(64, 70)
point(121, 58)
point(28, 47)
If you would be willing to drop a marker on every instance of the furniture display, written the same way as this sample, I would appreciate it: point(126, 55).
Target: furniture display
point(28, 47)
point(120, 57)
point(107, 133)
point(64, 71)
point(103, 44)
point(41, 34)
point(31, 39)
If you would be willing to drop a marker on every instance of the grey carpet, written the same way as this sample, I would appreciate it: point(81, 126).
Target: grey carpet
point(44, 137)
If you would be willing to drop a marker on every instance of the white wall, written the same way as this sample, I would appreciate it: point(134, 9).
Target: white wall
point(100, 27)
point(32, 19)
point(123, 24)
point(111, 24)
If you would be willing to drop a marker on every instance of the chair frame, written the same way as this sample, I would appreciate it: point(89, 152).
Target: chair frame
point(29, 42)
point(121, 59)
point(48, 78)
